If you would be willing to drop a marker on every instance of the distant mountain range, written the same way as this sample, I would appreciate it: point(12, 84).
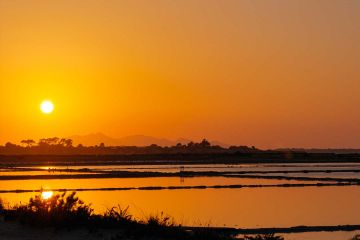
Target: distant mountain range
point(133, 140)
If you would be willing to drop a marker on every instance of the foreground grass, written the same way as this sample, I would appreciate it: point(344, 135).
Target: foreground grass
point(67, 211)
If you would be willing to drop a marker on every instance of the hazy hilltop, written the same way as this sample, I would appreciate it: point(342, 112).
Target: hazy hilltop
point(133, 140)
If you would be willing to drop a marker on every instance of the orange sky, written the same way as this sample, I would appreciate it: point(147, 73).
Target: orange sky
point(273, 73)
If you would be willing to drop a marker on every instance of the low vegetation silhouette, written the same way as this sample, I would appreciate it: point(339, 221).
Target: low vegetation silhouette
point(69, 212)
point(57, 145)
point(61, 151)
point(270, 236)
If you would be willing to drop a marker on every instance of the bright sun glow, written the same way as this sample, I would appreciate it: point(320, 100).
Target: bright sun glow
point(46, 195)
point(47, 107)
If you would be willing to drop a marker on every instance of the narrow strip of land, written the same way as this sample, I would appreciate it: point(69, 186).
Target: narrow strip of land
point(147, 188)
point(296, 229)
point(184, 174)
point(263, 157)
point(87, 170)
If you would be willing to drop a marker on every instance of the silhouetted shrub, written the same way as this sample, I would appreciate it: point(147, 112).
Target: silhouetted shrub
point(58, 210)
point(271, 236)
point(161, 220)
point(356, 237)
point(117, 215)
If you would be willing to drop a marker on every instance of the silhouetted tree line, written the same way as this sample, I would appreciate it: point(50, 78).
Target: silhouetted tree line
point(57, 145)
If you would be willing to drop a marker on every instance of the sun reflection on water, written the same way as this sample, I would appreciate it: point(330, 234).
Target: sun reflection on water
point(47, 194)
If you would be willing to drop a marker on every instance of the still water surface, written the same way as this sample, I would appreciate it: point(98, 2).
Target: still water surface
point(247, 208)
point(241, 207)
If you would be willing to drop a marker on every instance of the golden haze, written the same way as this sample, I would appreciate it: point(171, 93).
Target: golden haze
point(243, 72)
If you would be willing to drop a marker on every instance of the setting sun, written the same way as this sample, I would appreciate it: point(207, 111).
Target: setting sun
point(47, 107)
